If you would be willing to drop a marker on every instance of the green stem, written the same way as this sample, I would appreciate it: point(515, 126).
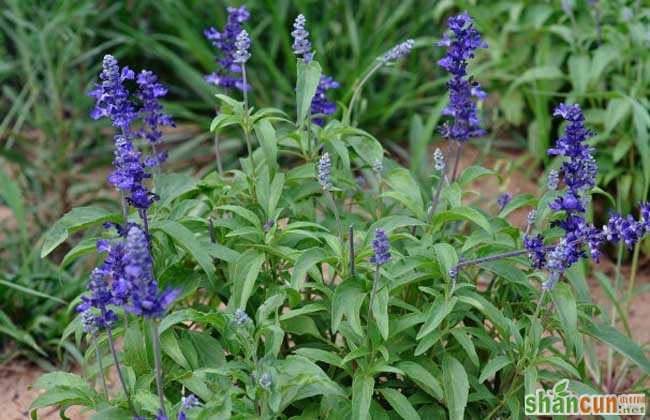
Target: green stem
point(459, 148)
point(351, 256)
point(503, 401)
point(339, 226)
point(111, 345)
point(100, 365)
point(358, 88)
point(217, 154)
point(375, 282)
point(633, 270)
point(247, 127)
point(155, 337)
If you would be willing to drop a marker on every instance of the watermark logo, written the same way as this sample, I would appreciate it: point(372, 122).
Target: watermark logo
point(560, 401)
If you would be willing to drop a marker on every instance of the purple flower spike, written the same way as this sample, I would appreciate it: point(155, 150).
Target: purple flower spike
point(301, 44)
point(462, 89)
point(381, 247)
point(399, 51)
point(150, 90)
point(99, 298)
point(228, 74)
point(146, 299)
point(243, 45)
point(129, 173)
point(503, 200)
point(321, 105)
point(112, 97)
point(536, 252)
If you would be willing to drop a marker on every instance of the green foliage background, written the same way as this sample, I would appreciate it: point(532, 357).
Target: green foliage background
point(53, 157)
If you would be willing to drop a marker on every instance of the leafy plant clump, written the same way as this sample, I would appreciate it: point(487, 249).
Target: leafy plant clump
point(321, 279)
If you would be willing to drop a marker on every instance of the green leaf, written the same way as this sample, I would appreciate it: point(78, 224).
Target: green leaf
point(472, 173)
point(111, 413)
point(579, 66)
point(63, 389)
point(493, 366)
point(405, 190)
point(456, 387)
point(245, 213)
point(303, 264)
point(348, 298)
point(467, 344)
point(266, 135)
point(172, 186)
point(400, 403)
point(307, 82)
point(247, 269)
point(423, 378)
point(567, 308)
point(367, 148)
point(30, 291)
point(319, 355)
point(275, 194)
point(11, 194)
point(391, 223)
point(170, 346)
point(76, 219)
point(518, 202)
point(537, 73)
point(617, 341)
point(446, 256)
point(462, 213)
point(617, 110)
point(85, 247)
point(188, 241)
point(362, 388)
point(380, 311)
point(439, 310)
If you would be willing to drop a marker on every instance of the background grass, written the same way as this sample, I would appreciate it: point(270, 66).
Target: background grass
point(541, 53)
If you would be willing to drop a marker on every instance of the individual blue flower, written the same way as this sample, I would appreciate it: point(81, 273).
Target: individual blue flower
point(241, 318)
point(377, 166)
point(320, 104)
point(129, 173)
point(150, 90)
point(266, 381)
point(439, 160)
point(146, 300)
point(190, 401)
point(324, 171)
point(553, 180)
point(228, 74)
point(503, 200)
point(645, 215)
point(89, 321)
point(242, 45)
point(301, 44)
point(398, 52)
point(112, 98)
point(462, 89)
point(99, 298)
point(531, 217)
point(113, 268)
point(381, 248)
point(536, 251)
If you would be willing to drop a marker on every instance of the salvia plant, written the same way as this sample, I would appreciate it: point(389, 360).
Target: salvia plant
point(320, 279)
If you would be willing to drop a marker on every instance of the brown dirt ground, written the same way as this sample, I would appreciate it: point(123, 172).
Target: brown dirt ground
point(15, 397)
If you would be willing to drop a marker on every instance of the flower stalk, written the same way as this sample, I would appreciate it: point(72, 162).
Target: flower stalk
point(155, 338)
point(100, 364)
